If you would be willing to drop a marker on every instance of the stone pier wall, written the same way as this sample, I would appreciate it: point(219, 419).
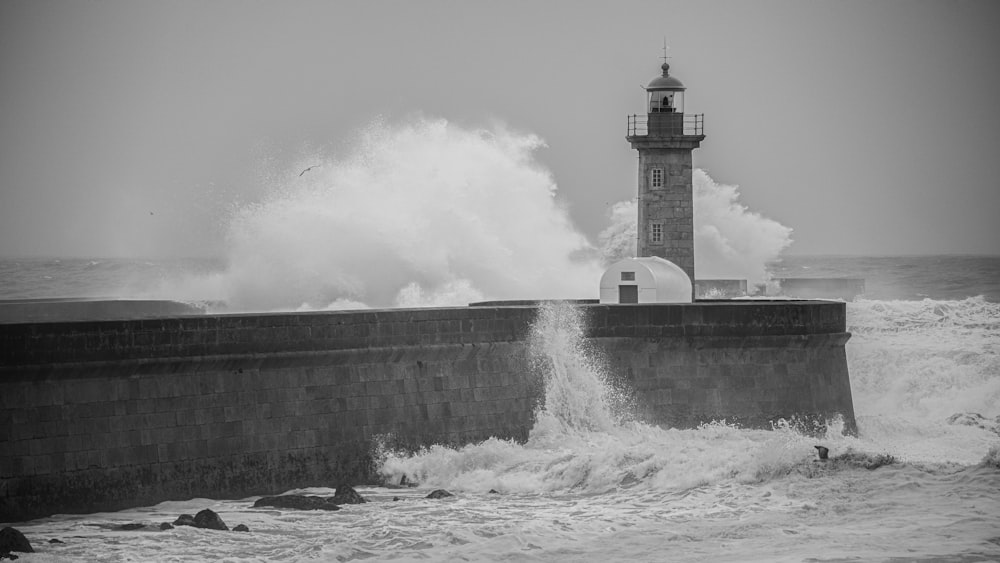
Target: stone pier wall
point(750, 362)
point(111, 414)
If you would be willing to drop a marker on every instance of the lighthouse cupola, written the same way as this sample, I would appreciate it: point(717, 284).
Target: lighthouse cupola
point(665, 93)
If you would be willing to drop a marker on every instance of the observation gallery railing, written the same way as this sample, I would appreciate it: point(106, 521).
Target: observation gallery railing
point(666, 124)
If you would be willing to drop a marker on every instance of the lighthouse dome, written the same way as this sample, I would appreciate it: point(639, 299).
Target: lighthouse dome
point(665, 82)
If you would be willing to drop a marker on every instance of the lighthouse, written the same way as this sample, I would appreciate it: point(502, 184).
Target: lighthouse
point(665, 137)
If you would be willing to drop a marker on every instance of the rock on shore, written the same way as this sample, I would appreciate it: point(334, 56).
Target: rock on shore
point(206, 519)
point(11, 539)
point(209, 520)
point(347, 495)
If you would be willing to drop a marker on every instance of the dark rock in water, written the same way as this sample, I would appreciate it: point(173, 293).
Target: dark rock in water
point(131, 526)
point(12, 539)
point(494, 492)
point(394, 499)
point(209, 520)
point(8, 555)
point(823, 451)
point(168, 525)
point(241, 528)
point(298, 502)
point(439, 493)
point(206, 519)
point(347, 495)
point(54, 540)
point(404, 482)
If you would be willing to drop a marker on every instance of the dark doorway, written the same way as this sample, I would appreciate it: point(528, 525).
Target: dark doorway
point(628, 294)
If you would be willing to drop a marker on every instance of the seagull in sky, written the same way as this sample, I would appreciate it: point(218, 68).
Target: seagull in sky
point(308, 169)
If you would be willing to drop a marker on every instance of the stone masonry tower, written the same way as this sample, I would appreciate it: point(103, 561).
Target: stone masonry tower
point(665, 137)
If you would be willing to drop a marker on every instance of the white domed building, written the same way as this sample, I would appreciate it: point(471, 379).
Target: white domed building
point(645, 280)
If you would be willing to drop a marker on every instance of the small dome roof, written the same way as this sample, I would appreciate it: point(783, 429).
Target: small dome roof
point(665, 82)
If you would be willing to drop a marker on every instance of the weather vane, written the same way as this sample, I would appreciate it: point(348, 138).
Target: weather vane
point(665, 57)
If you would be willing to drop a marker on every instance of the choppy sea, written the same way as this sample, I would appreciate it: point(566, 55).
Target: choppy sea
point(590, 484)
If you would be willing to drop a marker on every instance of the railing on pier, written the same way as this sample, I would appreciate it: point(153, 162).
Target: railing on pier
point(666, 124)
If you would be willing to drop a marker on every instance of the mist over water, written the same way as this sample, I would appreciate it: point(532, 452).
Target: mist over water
point(428, 213)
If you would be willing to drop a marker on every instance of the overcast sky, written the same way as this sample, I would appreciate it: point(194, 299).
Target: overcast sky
point(127, 127)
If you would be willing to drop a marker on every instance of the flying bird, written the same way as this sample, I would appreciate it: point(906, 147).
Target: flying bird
point(308, 169)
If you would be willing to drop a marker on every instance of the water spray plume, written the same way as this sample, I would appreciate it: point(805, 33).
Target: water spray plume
point(731, 241)
point(432, 214)
point(576, 393)
point(422, 214)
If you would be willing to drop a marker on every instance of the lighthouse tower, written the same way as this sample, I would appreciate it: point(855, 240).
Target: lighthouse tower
point(665, 137)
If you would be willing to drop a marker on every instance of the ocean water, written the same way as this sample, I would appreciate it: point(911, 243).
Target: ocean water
point(591, 484)
point(936, 277)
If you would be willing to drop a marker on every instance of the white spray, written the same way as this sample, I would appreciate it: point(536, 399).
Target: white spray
point(421, 214)
point(577, 395)
point(432, 214)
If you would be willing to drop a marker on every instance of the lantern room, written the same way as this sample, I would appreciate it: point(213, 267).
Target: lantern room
point(665, 93)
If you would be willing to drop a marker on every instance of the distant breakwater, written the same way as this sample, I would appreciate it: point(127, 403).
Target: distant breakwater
point(105, 415)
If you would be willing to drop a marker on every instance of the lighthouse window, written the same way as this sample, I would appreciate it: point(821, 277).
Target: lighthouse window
point(656, 232)
point(657, 178)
